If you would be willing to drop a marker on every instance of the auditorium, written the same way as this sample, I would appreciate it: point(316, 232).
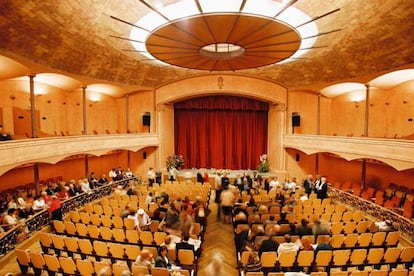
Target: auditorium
point(207, 137)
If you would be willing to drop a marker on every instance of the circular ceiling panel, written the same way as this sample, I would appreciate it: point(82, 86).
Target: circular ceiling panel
point(223, 42)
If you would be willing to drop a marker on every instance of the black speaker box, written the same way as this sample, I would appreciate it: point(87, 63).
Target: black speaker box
point(295, 119)
point(146, 119)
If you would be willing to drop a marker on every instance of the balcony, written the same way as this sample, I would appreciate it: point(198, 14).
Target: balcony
point(54, 149)
point(398, 154)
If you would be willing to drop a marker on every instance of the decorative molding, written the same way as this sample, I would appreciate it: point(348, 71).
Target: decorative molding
point(398, 154)
point(220, 82)
point(52, 150)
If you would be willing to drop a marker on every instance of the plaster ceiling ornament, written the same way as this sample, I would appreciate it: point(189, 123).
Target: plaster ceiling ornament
point(215, 35)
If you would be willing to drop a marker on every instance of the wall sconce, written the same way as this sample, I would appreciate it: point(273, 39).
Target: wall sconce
point(78, 104)
point(387, 103)
point(12, 97)
point(405, 101)
point(356, 104)
point(90, 105)
point(64, 103)
point(49, 101)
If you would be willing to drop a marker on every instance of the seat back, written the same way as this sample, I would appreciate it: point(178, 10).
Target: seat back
point(68, 265)
point(71, 244)
point(358, 256)
point(119, 268)
point(85, 267)
point(52, 263)
point(159, 271)
point(101, 249)
point(82, 229)
point(85, 246)
point(287, 259)
point(391, 255)
point(341, 257)
point(116, 250)
point(392, 238)
point(22, 257)
point(375, 255)
point(323, 258)
point(186, 257)
point(132, 251)
point(305, 258)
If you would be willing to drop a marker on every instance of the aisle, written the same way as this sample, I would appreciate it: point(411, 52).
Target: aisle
point(218, 238)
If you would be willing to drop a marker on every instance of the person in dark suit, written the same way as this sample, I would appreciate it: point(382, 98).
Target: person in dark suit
point(185, 245)
point(304, 229)
point(322, 190)
point(268, 245)
point(307, 185)
point(323, 245)
point(162, 258)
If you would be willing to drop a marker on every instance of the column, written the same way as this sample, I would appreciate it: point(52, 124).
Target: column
point(318, 132)
point(85, 126)
point(32, 106)
point(276, 129)
point(366, 133)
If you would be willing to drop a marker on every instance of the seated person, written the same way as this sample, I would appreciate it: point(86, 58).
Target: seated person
point(184, 244)
point(287, 246)
point(323, 245)
point(145, 259)
point(253, 264)
point(162, 259)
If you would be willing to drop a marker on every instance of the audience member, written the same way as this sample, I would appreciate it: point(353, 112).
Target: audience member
point(253, 263)
point(142, 220)
point(145, 259)
point(287, 245)
point(323, 244)
point(268, 245)
point(319, 229)
point(304, 229)
point(162, 259)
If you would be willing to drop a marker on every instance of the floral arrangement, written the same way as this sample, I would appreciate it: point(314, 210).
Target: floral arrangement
point(221, 171)
point(175, 161)
point(263, 165)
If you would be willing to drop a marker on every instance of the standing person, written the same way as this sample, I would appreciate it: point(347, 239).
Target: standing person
point(322, 190)
point(172, 173)
point(151, 176)
point(55, 208)
point(218, 188)
point(307, 185)
point(227, 201)
point(316, 183)
point(112, 174)
point(158, 176)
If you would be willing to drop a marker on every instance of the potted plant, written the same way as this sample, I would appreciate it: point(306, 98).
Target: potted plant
point(263, 165)
point(175, 161)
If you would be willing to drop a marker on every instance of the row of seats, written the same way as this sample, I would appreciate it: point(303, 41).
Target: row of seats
point(68, 266)
point(382, 272)
point(130, 236)
point(334, 258)
point(352, 241)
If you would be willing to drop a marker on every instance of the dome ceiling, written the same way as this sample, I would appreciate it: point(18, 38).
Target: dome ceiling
point(92, 39)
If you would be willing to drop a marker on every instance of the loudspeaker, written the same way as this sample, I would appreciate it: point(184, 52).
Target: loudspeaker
point(144, 155)
point(295, 119)
point(297, 157)
point(146, 119)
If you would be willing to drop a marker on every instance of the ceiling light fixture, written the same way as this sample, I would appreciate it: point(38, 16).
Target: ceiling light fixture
point(218, 35)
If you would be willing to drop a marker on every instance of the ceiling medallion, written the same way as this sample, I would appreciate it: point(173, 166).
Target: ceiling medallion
point(218, 35)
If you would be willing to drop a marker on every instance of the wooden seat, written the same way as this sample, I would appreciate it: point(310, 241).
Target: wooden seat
point(119, 235)
point(159, 271)
point(146, 237)
point(186, 258)
point(85, 267)
point(392, 238)
point(85, 247)
point(68, 266)
point(305, 258)
point(250, 273)
point(378, 239)
point(129, 223)
point(71, 244)
point(336, 228)
point(132, 236)
point(364, 239)
point(286, 259)
point(340, 258)
point(59, 226)
point(82, 229)
point(101, 249)
point(52, 264)
point(398, 272)
point(362, 226)
point(118, 268)
point(85, 218)
point(106, 233)
point(74, 216)
point(391, 255)
point(95, 219)
point(38, 262)
point(349, 227)
point(88, 208)
point(139, 270)
point(337, 241)
point(102, 266)
point(323, 258)
point(159, 237)
point(118, 222)
point(97, 209)
point(268, 259)
point(358, 273)
point(358, 257)
point(93, 231)
point(23, 260)
point(132, 251)
point(374, 256)
point(347, 216)
point(379, 273)
point(58, 243)
point(116, 250)
point(107, 210)
point(45, 241)
point(350, 240)
point(358, 216)
point(407, 256)
point(106, 221)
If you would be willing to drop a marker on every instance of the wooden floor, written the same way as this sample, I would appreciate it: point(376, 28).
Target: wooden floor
point(218, 239)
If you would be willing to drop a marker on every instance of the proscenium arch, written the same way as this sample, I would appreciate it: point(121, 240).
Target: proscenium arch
point(223, 84)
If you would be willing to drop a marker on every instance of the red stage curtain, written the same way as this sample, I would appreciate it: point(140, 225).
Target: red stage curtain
point(223, 132)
